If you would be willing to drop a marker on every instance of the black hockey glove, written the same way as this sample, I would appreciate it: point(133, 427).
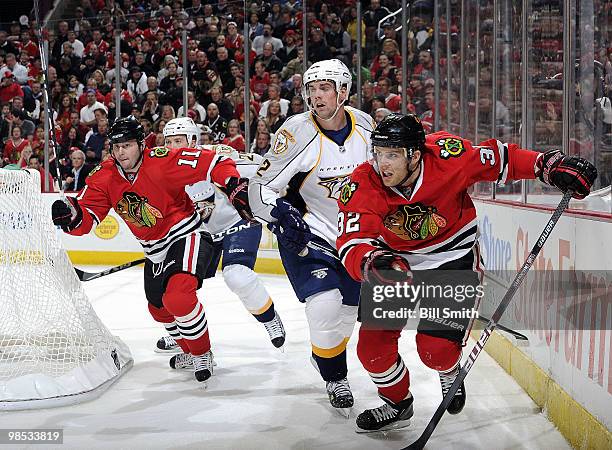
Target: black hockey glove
point(290, 229)
point(237, 190)
point(567, 173)
point(67, 214)
point(385, 267)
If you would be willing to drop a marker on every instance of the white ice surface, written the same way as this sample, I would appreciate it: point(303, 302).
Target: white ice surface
point(262, 399)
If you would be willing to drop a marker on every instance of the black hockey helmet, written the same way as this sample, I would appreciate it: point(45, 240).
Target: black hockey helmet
point(399, 130)
point(126, 129)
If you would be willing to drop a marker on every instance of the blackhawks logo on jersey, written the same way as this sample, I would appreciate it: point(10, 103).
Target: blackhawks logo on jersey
point(412, 222)
point(347, 192)
point(450, 147)
point(335, 185)
point(136, 210)
point(159, 152)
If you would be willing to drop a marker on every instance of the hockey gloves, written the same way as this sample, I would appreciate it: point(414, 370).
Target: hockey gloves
point(237, 190)
point(290, 229)
point(385, 267)
point(67, 214)
point(567, 173)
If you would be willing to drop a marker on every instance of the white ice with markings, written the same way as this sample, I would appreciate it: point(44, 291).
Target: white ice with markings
point(259, 398)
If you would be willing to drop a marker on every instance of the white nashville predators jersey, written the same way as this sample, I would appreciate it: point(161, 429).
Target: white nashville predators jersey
point(304, 161)
point(217, 212)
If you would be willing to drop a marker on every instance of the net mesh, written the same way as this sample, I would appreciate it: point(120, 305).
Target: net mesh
point(49, 332)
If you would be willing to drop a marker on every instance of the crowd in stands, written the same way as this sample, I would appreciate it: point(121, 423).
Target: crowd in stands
point(82, 71)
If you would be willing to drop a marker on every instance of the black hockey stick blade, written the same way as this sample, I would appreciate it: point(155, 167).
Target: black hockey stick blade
point(488, 330)
point(516, 334)
point(87, 276)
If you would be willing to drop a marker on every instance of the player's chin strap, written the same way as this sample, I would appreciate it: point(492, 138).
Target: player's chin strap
point(335, 112)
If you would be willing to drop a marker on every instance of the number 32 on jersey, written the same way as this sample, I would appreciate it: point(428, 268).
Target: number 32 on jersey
point(352, 222)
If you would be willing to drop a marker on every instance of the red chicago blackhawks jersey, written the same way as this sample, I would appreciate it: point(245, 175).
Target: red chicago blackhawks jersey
point(154, 205)
point(434, 223)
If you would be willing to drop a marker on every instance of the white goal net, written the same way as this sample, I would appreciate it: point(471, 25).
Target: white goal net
point(54, 350)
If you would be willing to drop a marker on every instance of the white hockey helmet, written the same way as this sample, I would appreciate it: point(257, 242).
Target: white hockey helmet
point(183, 125)
point(332, 70)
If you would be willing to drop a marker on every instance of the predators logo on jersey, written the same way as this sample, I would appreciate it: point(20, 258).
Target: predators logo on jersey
point(412, 222)
point(136, 210)
point(283, 139)
point(334, 185)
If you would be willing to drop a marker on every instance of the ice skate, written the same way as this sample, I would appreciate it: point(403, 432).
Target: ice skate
point(167, 344)
point(340, 396)
point(182, 361)
point(276, 331)
point(203, 366)
point(446, 381)
point(389, 416)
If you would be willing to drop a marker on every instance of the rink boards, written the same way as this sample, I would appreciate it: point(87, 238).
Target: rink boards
point(566, 366)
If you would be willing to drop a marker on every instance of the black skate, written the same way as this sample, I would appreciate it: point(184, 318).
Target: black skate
point(340, 396)
point(446, 380)
point(276, 331)
point(389, 416)
point(203, 366)
point(182, 361)
point(167, 344)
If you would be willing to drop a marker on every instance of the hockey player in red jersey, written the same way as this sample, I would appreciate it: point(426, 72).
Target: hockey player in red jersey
point(407, 215)
point(146, 187)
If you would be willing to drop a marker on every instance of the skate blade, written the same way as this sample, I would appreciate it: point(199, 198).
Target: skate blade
point(172, 350)
point(391, 427)
point(343, 412)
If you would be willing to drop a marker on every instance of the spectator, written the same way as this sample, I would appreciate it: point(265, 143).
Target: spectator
point(64, 110)
point(34, 163)
point(274, 118)
point(24, 157)
point(260, 80)
point(296, 106)
point(234, 137)
point(9, 88)
point(169, 81)
point(425, 66)
point(294, 66)
point(192, 104)
point(233, 40)
point(270, 60)
point(6, 46)
point(216, 123)
point(137, 83)
point(266, 37)
point(38, 140)
point(21, 119)
point(75, 175)
point(224, 64)
point(318, 49)
point(261, 144)
point(95, 142)
point(71, 140)
point(374, 15)
point(87, 112)
point(339, 41)
point(14, 146)
point(226, 109)
point(75, 87)
point(380, 114)
point(19, 72)
point(255, 27)
point(77, 46)
point(274, 95)
point(385, 69)
point(365, 72)
point(391, 49)
point(289, 50)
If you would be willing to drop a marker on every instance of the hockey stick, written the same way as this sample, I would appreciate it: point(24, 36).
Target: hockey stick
point(87, 276)
point(488, 330)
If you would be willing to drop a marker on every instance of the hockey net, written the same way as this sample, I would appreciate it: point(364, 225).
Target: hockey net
point(54, 350)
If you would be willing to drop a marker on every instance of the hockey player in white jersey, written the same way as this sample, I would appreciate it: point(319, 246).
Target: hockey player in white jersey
point(235, 239)
point(295, 191)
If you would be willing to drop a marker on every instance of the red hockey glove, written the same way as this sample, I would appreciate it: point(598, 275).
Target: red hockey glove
point(237, 190)
point(67, 214)
point(383, 266)
point(567, 173)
